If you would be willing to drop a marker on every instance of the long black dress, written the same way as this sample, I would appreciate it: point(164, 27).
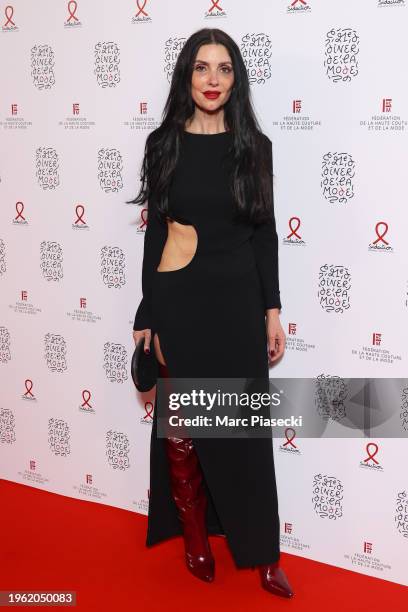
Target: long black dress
point(223, 293)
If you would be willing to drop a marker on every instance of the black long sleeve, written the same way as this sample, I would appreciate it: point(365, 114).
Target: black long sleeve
point(154, 241)
point(265, 246)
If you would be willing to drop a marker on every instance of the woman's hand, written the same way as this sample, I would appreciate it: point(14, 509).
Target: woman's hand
point(146, 334)
point(276, 335)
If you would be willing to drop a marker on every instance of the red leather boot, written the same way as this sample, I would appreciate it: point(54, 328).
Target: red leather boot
point(189, 495)
point(274, 580)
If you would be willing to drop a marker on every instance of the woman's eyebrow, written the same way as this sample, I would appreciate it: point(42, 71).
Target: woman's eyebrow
point(220, 63)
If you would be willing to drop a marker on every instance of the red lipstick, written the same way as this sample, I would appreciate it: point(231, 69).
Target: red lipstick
point(212, 95)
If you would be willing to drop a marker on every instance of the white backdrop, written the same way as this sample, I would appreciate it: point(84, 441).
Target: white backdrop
point(83, 84)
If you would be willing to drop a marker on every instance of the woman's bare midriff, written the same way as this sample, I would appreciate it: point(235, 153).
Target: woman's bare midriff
point(180, 247)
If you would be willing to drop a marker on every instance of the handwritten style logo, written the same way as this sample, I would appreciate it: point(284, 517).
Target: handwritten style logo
point(404, 409)
point(55, 352)
point(327, 496)
point(107, 59)
point(338, 171)
point(42, 66)
point(5, 354)
point(256, 50)
point(47, 166)
point(330, 394)
point(342, 47)
point(334, 288)
point(117, 450)
point(113, 266)
point(3, 266)
point(172, 48)
point(141, 15)
point(401, 513)
point(7, 426)
point(110, 166)
point(51, 260)
point(115, 362)
point(58, 437)
point(298, 6)
point(380, 243)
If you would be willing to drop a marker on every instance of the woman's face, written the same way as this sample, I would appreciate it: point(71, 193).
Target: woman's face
point(213, 77)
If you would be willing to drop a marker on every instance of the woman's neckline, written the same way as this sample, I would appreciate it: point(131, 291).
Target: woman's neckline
point(203, 134)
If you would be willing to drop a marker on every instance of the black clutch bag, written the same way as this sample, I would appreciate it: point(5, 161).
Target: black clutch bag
point(144, 367)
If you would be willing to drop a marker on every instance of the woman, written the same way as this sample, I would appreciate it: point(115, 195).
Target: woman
point(211, 303)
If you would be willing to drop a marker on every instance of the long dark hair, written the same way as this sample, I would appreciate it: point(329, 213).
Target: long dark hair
point(251, 180)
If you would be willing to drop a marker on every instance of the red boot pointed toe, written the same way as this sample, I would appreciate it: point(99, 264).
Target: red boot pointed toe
point(274, 580)
point(201, 567)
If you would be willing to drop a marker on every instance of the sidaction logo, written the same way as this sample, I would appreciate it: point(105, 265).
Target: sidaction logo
point(382, 3)
point(380, 243)
point(72, 20)
point(9, 24)
point(298, 6)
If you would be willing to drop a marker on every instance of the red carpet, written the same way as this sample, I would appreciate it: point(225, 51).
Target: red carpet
point(52, 542)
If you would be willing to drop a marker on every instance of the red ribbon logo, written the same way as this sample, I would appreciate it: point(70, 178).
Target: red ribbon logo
point(72, 12)
point(289, 440)
point(80, 215)
point(215, 4)
point(293, 231)
point(371, 456)
point(28, 385)
point(86, 399)
point(148, 412)
point(141, 8)
point(9, 12)
point(381, 237)
point(143, 217)
point(296, 1)
point(19, 212)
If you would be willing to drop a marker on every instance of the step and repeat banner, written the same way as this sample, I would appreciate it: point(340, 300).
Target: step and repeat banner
point(83, 83)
